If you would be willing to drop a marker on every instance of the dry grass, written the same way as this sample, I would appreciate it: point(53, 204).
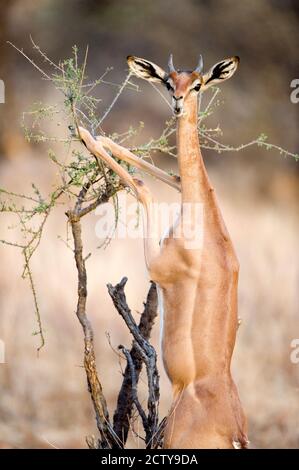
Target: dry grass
point(44, 401)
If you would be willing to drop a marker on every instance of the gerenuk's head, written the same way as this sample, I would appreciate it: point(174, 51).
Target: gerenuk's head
point(181, 83)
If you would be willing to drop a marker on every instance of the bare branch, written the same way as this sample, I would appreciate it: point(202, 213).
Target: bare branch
point(94, 385)
point(142, 351)
point(123, 412)
point(134, 395)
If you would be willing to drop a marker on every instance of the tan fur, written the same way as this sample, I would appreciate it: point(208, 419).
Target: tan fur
point(200, 313)
point(198, 288)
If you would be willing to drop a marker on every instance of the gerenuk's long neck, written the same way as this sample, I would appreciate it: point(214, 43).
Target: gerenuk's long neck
point(194, 179)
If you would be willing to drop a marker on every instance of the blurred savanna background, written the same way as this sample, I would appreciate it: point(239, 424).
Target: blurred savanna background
point(44, 400)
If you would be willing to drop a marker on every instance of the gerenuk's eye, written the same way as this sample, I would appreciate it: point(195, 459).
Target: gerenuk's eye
point(168, 86)
point(197, 87)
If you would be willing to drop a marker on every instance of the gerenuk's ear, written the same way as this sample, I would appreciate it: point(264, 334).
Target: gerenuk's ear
point(220, 72)
point(145, 69)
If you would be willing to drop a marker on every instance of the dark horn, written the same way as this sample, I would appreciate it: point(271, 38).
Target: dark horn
point(199, 65)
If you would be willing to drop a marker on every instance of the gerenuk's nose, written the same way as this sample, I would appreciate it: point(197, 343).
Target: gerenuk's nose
point(177, 98)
